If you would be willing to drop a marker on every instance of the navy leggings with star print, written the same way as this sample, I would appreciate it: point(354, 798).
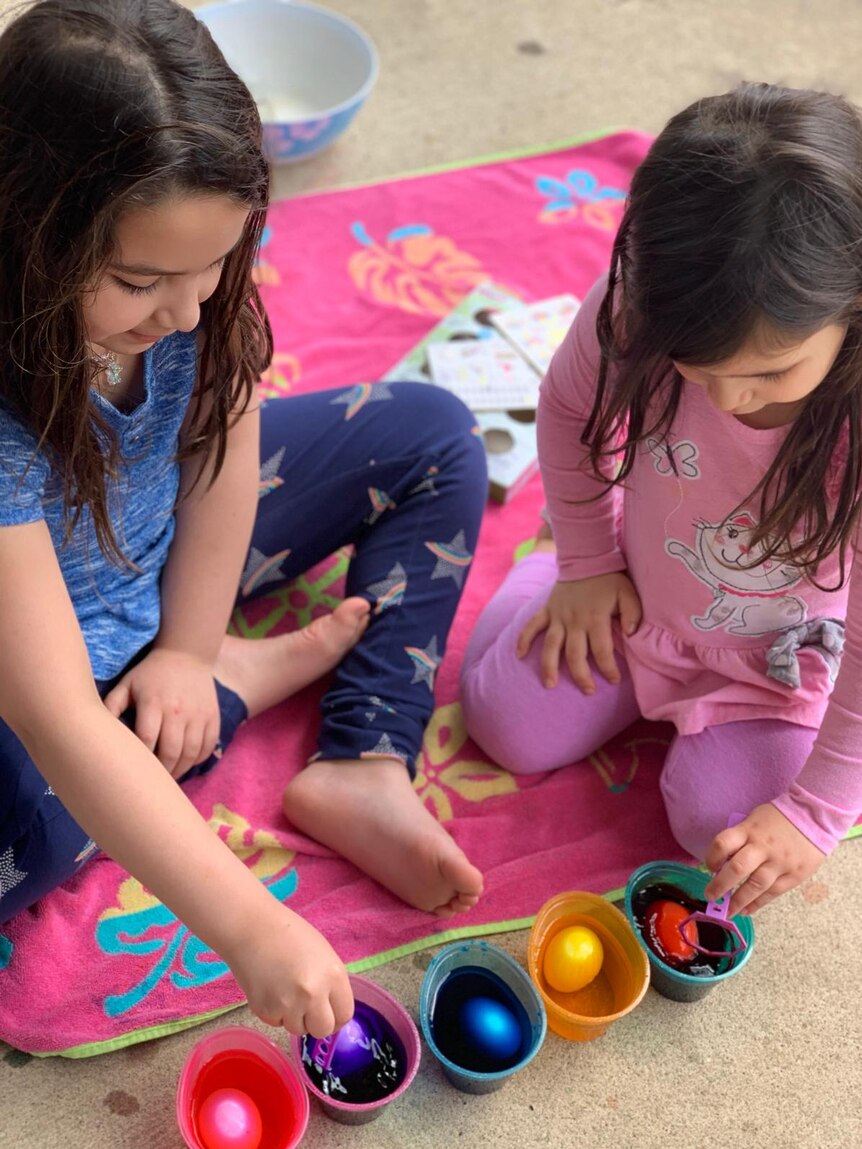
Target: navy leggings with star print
point(398, 472)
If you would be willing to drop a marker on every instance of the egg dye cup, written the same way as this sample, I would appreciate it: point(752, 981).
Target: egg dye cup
point(237, 1057)
point(484, 956)
point(368, 993)
point(619, 985)
point(669, 982)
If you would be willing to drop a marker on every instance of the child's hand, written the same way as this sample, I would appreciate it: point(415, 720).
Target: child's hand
point(764, 855)
point(176, 707)
point(292, 976)
point(577, 618)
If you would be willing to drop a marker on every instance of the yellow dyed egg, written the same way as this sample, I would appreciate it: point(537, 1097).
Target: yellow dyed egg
point(573, 957)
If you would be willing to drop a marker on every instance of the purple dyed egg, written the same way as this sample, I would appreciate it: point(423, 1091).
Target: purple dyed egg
point(355, 1046)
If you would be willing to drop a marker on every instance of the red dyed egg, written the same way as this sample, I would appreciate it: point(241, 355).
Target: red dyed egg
point(663, 920)
point(229, 1119)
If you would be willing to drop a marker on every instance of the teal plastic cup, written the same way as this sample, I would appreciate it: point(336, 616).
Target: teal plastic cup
point(514, 982)
point(674, 983)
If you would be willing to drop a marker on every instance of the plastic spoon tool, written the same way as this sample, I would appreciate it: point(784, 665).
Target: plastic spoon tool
point(715, 914)
point(352, 1047)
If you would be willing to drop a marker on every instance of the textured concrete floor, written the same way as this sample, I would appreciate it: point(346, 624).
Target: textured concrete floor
point(770, 1061)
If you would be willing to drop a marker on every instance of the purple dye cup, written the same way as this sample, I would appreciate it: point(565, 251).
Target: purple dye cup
point(393, 1012)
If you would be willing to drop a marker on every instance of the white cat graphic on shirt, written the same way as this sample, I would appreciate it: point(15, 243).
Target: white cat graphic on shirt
point(749, 597)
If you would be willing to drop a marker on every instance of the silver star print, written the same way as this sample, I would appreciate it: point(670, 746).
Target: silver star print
point(269, 477)
point(390, 590)
point(426, 483)
point(386, 746)
point(375, 700)
point(356, 397)
point(425, 662)
point(453, 558)
point(254, 575)
point(385, 504)
point(10, 875)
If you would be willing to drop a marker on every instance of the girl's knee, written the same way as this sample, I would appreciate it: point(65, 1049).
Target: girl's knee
point(497, 725)
point(691, 831)
point(433, 407)
point(436, 418)
point(696, 810)
point(711, 778)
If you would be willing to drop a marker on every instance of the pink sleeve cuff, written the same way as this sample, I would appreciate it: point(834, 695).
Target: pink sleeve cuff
point(823, 824)
point(575, 569)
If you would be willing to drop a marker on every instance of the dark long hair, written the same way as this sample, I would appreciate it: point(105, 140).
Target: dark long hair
point(745, 216)
point(107, 106)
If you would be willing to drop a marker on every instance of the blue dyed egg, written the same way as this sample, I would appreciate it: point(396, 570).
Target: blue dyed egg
point(490, 1028)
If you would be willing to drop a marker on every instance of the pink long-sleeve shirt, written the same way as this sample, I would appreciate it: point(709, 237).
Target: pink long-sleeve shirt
point(713, 618)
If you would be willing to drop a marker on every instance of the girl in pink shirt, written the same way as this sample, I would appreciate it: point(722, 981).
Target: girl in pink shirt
point(700, 439)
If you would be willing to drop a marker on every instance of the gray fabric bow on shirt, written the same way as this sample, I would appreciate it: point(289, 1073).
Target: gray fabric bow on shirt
point(824, 635)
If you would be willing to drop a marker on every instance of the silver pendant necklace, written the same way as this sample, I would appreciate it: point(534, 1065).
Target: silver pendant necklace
point(109, 364)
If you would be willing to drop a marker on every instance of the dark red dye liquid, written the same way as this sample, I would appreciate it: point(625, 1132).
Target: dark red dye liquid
point(711, 937)
point(239, 1069)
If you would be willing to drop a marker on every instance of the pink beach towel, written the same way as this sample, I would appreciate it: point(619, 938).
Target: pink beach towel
point(353, 279)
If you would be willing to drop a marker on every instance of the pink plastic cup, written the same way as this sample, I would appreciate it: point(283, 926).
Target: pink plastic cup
point(397, 1016)
point(237, 1057)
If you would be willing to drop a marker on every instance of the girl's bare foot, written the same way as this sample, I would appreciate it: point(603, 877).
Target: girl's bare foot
point(367, 811)
point(265, 671)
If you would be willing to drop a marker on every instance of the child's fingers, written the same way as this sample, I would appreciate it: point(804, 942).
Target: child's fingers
point(760, 884)
point(171, 746)
point(341, 1001)
point(191, 752)
point(148, 723)
point(779, 886)
point(722, 846)
point(602, 649)
point(319, 1019)
point(209, 740)
point(181, 741)
point(118, 699)
point(577, 660)
point(552, 646)
point(535, 626)
point(735, 870)
point(630, 609)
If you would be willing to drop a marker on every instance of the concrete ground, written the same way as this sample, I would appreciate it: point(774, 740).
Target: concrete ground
point(770, 1060)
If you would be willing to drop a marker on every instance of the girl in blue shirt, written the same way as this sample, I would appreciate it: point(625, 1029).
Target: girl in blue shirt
point(132, 453)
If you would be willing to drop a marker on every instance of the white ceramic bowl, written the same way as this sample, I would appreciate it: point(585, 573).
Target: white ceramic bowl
point(309, 69)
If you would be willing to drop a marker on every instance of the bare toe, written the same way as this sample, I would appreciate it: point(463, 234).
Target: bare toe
point(265, 671)
point(369, 813)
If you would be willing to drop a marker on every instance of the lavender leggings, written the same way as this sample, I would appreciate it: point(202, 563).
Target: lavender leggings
point(528, 728)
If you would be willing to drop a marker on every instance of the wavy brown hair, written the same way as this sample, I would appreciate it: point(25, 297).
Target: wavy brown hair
point(744, 218)
point(108, 106)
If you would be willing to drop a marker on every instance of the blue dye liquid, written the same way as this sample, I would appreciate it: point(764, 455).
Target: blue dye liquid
point(464, 985)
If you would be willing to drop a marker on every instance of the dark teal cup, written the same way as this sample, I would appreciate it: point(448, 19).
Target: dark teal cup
point(674, 983)
point(480, 957)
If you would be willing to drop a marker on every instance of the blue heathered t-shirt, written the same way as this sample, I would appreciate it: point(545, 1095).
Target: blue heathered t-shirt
point(118, 609)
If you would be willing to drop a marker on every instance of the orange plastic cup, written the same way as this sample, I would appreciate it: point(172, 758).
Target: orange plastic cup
point(621, 982)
